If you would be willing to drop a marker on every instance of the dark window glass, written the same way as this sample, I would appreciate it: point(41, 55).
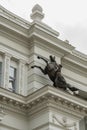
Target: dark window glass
point(0, 72)
point(12, 79)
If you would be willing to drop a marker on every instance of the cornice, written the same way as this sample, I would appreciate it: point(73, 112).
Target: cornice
point(10, 95)
point(76, 58)
point(13, 18)
point(15, 33)
point(48, 34)
point(25, 30)
point(77, 81)
point(74, 67)
point(12, 102)
point(47, 94)
point(53, 50)
point(54, 43)
point(13, 25)
point(33, 29)
point(45, 28)
point(3, 51)
point(44, 34)
point(80, 55)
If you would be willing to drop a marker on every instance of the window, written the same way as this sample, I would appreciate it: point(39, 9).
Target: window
point(12, 79)
point(0, 73)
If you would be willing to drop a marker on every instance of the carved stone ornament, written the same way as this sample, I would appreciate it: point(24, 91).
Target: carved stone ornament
point(2, 114)
point(37, 13)
point(48, 95)
point(63, 122)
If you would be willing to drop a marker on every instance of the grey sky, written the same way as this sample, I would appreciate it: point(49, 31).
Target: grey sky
point(68, 17)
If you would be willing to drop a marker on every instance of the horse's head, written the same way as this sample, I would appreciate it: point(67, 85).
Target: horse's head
point(60, 66)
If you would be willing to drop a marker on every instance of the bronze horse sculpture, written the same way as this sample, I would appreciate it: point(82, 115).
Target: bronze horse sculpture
point(53, 70)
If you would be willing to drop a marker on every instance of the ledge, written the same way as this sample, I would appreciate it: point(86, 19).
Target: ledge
point(47, 93)
point(6, 94)
point(56, 93)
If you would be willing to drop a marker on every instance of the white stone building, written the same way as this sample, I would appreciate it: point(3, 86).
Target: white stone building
point(28, 101)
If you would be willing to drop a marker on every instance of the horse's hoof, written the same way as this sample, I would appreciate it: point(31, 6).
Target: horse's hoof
point(32, 67)
point(38, 57)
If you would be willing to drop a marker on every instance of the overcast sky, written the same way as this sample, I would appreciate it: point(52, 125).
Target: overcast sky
point(68, 17)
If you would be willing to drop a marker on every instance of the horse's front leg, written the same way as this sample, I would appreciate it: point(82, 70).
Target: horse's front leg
point(43, 70)
point(35, 66)
point(42, 59)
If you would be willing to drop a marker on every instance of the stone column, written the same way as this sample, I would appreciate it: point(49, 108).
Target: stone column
point(21, 77)
point(83, 123)
point(6, 67)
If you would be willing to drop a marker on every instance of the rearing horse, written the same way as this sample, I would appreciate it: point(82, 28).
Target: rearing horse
point(50, 68)
point(54, 72)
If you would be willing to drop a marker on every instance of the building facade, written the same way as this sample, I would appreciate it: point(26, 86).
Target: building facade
point(28, 101)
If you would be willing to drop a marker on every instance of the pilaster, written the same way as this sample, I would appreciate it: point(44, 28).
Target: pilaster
point(6, 67)
point(22, 78)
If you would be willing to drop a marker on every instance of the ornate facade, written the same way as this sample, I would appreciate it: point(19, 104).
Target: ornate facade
point(28, 101)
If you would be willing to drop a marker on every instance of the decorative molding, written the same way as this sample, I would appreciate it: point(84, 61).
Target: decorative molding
point(44, 27)
point(14, 18)
point(21, 54)
point(52, 43)
point(80, 55)
point(50, 96)
point(72, 66)
point(13, 106)
point(18, 37)
point(76, 61)
point(52, 50)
